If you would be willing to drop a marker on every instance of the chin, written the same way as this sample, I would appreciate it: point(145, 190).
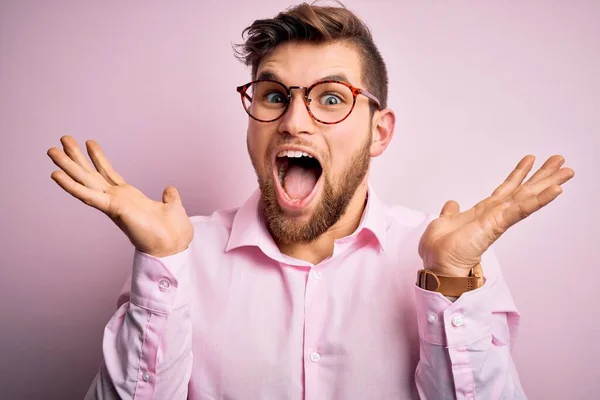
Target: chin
point(298, 198)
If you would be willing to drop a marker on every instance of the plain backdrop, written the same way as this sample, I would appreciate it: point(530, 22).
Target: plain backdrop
point(476, 85)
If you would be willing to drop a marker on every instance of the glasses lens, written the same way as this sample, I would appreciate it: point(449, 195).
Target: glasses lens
point(330, 101)
point(266, 100)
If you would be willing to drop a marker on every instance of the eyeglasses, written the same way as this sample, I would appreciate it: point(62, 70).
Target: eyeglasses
point(328, 102)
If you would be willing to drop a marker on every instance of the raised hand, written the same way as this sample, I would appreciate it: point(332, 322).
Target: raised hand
point(454, 243)
point(153, 227)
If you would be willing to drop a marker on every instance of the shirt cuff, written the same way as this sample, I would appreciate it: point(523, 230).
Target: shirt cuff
point(160, 284)
point(458, 323)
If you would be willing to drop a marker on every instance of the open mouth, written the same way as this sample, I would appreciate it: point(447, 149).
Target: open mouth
point(298, 175)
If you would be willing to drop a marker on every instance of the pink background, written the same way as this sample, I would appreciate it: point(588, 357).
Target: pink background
point(476, 85)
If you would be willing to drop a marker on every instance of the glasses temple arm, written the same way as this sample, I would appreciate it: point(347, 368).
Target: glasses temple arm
point(370, 96)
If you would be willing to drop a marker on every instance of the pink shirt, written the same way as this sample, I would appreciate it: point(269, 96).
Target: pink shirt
point(232, 317)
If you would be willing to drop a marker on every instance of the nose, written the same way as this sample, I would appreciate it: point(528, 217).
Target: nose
point(297, 120)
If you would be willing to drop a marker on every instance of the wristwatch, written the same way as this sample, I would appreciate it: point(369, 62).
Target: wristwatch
point(452, 286)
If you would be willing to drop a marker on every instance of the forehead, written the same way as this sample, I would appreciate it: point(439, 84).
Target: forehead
point(298, 63)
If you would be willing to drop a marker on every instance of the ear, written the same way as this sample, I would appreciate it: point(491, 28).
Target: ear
point(382, 131)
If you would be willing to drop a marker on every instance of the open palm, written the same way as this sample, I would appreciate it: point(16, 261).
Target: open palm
point(153, 227)
point(453, 243)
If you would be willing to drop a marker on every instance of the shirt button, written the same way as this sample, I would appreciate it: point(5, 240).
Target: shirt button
point(164, 284)
point(314, 357)
point(146, 376)
point(431, 318)
point(457, 320)
point(316, 274)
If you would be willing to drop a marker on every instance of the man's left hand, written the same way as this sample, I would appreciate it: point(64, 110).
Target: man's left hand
point(454, 243)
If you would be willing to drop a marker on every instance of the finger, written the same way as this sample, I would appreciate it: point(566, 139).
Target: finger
point(451, 207)
point(515, 178)
point(102, 164)
point(557, 178)
point(171, 196)
point(93, 198)
point(75, 171)
point(520, 210)
point(552, 164)
point(71, 149)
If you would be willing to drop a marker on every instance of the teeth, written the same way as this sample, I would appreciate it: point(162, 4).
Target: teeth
point(293, 154)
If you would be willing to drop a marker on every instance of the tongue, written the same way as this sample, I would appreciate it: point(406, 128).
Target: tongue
point(299, 182)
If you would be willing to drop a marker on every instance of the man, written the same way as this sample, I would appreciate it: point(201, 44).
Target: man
point(308, 289)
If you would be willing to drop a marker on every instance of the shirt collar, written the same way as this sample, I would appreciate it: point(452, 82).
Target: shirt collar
point(249, 227)
point(247, 224)
point(373, 218)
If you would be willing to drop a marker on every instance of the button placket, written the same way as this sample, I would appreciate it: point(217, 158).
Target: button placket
point(314, 315)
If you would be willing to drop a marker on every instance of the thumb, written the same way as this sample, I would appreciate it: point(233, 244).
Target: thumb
point(451, 207)
point(171, 196)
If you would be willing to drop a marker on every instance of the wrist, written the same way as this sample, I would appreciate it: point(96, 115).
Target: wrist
point(449, 270)
point(448, 285)
point(165, 252)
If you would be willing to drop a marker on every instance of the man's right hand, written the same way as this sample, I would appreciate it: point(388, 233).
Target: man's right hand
point(156, 228)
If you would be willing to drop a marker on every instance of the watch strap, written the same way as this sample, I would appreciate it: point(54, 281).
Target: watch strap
point(452, 286)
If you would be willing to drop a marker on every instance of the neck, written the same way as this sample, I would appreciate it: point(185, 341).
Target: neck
point(322, 247)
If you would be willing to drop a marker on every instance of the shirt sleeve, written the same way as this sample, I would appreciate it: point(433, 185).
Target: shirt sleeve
point(147, 344)
point(465, 346)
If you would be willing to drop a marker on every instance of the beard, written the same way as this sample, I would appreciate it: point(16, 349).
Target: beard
point(330, 208)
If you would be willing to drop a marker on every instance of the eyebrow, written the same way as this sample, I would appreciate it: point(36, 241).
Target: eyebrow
point(340, 77)
point(268, 75)
point(273, 76)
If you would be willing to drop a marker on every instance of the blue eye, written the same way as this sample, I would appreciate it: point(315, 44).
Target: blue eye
point(275, 97)
point(331, 100)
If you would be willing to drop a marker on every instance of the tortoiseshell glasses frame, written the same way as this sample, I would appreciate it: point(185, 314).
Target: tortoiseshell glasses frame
point(243, 91)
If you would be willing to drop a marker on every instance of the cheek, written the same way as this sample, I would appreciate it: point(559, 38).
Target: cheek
point(257, 141)
point(344, 145)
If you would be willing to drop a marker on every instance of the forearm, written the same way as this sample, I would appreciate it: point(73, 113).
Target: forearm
point(147, 343)
point(465, 343)
point(482, 369)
